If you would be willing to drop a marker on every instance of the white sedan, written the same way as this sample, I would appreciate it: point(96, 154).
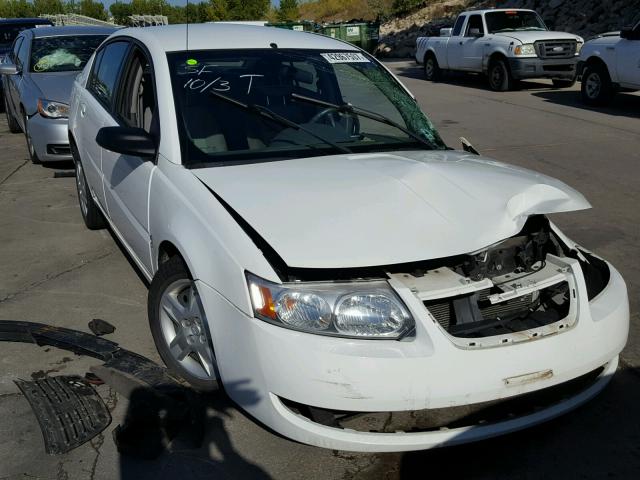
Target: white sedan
point(315, 248)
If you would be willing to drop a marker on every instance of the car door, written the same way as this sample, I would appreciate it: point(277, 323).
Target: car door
point(94, 108)
point(473, 44)
point(13, 81)
point(628, 62)
point(126, 177)
point(456, 44)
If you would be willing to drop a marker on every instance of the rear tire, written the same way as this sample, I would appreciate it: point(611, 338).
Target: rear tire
point(30, 148)
point(179, 327)
point(558, 83)
point(432, 70)
point(596, 88)
point(91, 214)
point(499, 75)
point(14, 126)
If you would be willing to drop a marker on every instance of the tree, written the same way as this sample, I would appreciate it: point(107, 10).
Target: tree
point(120, 12)
point(50, 7)
point(15, 9)
point(248, 9)
point(288, 11)
point(216, 10)
point(93, 9)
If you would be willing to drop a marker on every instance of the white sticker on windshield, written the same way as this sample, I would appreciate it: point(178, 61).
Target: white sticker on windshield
point(345, 57)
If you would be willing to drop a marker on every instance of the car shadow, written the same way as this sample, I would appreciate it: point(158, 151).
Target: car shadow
point(184, 437)
point(597, 440)
point(622, 105)
point(461, 79)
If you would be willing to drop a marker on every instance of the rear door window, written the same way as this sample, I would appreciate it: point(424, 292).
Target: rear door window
point(458, 26)
point(106, 70)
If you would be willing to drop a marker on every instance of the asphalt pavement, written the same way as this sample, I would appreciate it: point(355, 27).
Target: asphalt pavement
point(54, 271)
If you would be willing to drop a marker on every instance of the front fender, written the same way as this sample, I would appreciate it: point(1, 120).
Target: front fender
point(215, 248)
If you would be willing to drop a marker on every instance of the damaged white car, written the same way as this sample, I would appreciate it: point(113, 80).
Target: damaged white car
point(315, 248)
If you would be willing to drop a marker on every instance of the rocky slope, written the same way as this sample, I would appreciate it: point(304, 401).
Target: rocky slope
point(584, 17)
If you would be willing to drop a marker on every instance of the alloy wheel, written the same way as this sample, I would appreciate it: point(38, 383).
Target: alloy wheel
point(593, 85)
point(183, 328)
point(81, 184)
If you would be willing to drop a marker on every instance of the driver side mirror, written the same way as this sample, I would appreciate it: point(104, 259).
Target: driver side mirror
point(135, 142)
point(9, 69)
point(475, 32)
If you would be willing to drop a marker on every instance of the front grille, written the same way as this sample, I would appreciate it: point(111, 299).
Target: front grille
point(474, 316)
point(552, 49)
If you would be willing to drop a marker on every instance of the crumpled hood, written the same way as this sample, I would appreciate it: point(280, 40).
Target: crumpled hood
point(534, 36)
point(55, 86)
point(379, 209)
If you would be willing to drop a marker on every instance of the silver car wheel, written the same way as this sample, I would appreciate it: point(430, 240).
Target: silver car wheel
point(182, 325)
point(81, 184)
point(593, 85)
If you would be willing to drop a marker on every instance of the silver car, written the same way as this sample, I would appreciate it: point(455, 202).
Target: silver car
point(37, 79)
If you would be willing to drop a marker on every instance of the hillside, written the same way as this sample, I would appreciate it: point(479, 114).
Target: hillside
point(584, 17)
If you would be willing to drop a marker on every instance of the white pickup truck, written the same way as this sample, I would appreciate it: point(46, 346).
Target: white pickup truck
point(609, 64)
point(505, 44)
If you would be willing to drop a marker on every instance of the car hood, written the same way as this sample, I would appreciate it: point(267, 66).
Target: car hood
point(55, 86)
point(535, 36)
point(380, 209)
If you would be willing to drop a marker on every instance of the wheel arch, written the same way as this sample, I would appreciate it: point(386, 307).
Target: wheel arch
point(492, 57)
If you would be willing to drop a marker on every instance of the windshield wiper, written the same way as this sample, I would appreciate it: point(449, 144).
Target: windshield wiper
point(348, 108)
point(265, 112)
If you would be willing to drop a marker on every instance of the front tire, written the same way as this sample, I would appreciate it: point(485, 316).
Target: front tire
point(14, 126)
point(500, 79)
point(596, 88)
point(179, 326)
point(432, 70)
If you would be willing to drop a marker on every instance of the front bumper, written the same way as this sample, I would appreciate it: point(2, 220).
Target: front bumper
point(265, 363)
point(50, 138)
point(563, 69)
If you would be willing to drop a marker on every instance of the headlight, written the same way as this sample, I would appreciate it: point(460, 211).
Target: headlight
point(526, 49)
point(367, 309)
point(51, 109)
point(579, 46)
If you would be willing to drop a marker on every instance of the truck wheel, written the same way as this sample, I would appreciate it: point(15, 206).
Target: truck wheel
point(14, 126)
point(500, 79)
point(597, 88)
point(179, 326)
point(558, 83)
point(432, 70)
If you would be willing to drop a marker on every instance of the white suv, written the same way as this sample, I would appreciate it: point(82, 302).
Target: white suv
point(323, 260)
point(610, 63)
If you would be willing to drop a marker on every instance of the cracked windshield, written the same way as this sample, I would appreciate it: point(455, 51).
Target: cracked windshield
point(266, 104)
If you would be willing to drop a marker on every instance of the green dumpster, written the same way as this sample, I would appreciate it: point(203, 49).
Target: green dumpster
point(364, 35)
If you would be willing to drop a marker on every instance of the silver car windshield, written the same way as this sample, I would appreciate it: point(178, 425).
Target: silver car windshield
point(304, 87)
point(63, 53)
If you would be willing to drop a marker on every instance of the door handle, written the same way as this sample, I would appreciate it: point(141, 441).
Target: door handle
point(83, 109)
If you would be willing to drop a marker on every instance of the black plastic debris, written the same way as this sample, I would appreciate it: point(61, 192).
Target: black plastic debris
point(93, 379)
point(100, 327)
point(68, 409)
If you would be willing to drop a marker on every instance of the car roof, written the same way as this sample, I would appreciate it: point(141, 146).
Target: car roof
point(23, 21)
point(71, 30)
point(490, 10)
point(225, 36)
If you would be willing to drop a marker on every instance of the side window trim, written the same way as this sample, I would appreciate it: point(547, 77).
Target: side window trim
point(117, 99)
point(96, 67)
point(14, 51)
